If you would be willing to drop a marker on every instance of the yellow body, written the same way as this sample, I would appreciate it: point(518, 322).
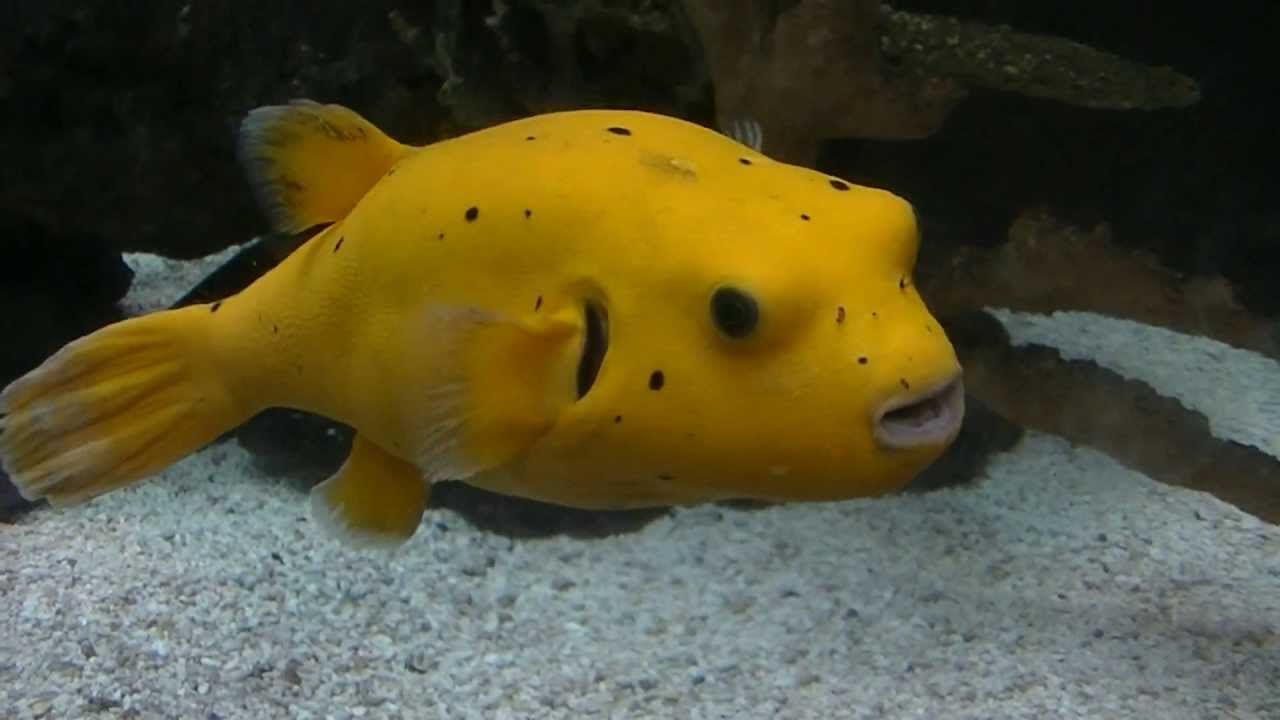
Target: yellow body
point(443, 315)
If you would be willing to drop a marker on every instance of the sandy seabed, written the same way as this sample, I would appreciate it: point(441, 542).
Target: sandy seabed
point(1059, 585)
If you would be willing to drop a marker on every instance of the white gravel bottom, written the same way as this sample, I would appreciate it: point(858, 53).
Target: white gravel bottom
point(159, 281)
point(1061, 586)
point(1237, 390)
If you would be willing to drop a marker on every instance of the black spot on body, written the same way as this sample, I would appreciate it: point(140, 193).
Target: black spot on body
point(473, 212)
point(391, 172)
point(528, 213)
point(617, 418)
point(840, 185)
point(666, 476)
point(338, 245)
point(902, 283)
point(537, 304)
point(657, 380)
point(903, 382)
point(839, 314)
point(863, 360)
point(875, 314)
point(440, 236)
point(744, 161)
point(804, 216)
point(275, 329)
point(214, 307)
point(619, 131)
point(531, 137)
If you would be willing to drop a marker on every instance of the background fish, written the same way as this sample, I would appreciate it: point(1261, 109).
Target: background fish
point(598, 308)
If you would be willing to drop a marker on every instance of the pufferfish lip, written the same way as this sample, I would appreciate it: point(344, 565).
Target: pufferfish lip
point(929, 417)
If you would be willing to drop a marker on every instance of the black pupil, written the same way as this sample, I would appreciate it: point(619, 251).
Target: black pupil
point(735, 312)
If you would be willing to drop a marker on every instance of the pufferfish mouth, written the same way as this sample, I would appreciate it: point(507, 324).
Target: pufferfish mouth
point(931, 417)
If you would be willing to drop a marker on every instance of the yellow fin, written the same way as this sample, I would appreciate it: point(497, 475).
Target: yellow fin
point(310, 163)
point(504, 383)
point(114, 407)
point(374, 500)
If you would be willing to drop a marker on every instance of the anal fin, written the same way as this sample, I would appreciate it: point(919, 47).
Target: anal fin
point(374, 500)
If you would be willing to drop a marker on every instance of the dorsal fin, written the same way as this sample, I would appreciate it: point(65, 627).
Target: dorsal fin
point(310, 163)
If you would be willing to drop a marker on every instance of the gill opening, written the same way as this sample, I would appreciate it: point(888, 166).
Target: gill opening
point(594, 347)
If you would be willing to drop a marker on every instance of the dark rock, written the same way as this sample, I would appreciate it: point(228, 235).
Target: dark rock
point(53, 288)
point(121, 117)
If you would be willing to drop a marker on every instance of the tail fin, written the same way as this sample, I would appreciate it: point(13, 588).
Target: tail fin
point(112, 408)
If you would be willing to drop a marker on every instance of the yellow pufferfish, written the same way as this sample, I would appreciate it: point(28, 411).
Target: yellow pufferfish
point(595, 308)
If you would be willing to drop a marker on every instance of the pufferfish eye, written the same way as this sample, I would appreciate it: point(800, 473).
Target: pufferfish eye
point(735, 312)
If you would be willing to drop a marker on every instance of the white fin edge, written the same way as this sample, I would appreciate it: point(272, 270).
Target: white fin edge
point(331, 524)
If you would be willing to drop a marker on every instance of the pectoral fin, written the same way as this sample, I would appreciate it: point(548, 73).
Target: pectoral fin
point(375, 499)
point(505, 381)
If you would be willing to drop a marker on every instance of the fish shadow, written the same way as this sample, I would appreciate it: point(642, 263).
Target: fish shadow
point(304, 449)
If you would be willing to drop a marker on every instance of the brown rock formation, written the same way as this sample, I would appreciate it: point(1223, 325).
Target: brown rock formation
point(1047, 265)
point(813, 70)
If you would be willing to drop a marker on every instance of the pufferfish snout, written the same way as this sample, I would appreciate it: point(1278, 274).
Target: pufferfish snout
point(921, 399)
